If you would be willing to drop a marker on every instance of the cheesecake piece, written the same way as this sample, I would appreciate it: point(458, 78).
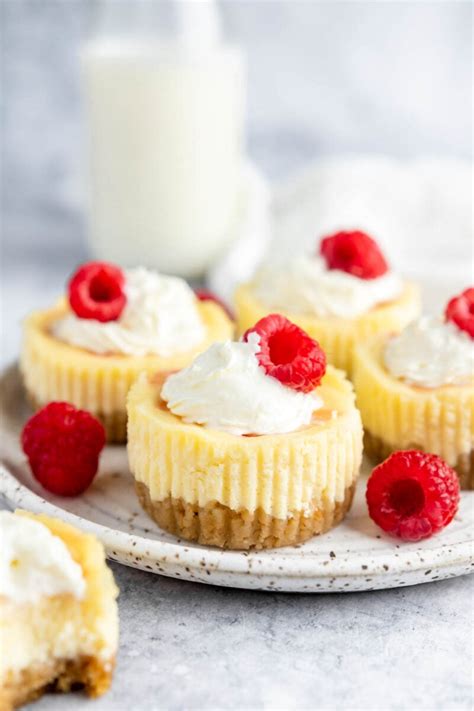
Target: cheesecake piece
point(337, 336)
point(342, 292)
point(58, 610)
point(241, 492)
point(55, 370)
point(402, 415)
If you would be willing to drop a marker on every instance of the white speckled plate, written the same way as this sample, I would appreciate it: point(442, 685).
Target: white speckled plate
point(354, 556)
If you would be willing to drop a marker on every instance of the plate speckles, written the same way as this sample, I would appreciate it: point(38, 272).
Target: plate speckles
point(353, 556)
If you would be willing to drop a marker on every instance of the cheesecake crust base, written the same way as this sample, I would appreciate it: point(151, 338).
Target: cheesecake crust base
point(115, 423)
point(221, 526)
point(62, 675)
point(378, 450)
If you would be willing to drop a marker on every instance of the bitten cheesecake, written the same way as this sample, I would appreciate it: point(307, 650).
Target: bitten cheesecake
point(415, 390)
point(344, 294)
point(58, 610)
point(253, 445)
point(89, 349)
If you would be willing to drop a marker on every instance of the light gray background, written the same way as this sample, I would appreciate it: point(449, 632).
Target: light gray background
point(324, 78)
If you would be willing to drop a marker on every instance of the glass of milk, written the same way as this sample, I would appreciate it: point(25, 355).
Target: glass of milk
point(164, 98)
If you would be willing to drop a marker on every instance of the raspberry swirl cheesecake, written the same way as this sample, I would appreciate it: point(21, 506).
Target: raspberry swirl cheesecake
point(58, 610)
point(255, 444)
point(344, 293)
point(114, 324)
point(415, 390)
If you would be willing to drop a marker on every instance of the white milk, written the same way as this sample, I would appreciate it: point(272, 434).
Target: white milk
point(166, 145)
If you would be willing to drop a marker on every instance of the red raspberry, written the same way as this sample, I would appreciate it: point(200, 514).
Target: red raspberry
point(355, 253)
point(288, 354)
point(460, 310)
point(63, 446)
point(412, 494)
point(96, 291)
point(207, 295)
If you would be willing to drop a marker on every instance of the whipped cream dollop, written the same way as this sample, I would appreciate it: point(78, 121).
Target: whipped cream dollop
point(304, 285)
point(226, 389)
point(34, 562)
point(160, 318)
point(431, 352)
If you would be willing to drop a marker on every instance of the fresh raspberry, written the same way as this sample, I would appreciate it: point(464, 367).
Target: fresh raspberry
point(460, 310)
point(96, 291)
point(288, 354)
point(412, 494)
point(355, 253)
point(207, 295)
point(63, 445)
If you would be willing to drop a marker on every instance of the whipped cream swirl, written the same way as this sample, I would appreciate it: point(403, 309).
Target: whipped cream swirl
point(304, 285)
point(34, 562)
point(430, 353)
point(160, 318)
point(226, 389)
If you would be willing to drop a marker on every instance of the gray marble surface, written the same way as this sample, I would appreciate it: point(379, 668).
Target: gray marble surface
point(186, 646)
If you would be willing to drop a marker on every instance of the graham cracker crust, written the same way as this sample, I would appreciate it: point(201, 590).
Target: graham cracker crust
point(115, 423)
point(218, 525)
point(61, 675)
point(378, 450)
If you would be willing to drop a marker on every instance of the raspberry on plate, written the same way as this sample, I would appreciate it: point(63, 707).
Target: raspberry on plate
point(460, 310)
point(208, 295)
point(63, 445)
point(412, 494)
point(97, 291)
point(355, 253)
point(288, 354)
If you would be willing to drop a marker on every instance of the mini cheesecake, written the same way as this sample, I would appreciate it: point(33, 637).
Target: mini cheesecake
point(58, 610)
point(241, 492)
point(337, 336)
point(403, 415)
point(342, 293)
point(55, 369)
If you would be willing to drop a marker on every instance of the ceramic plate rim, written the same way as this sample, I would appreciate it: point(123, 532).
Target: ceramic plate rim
point(236, 562)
